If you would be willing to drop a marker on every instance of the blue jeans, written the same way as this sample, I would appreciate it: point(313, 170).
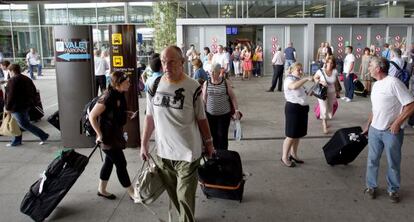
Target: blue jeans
point(288, 63)
point(379, 140)
point(39, 70)
point(349, 86)
point(22, 119)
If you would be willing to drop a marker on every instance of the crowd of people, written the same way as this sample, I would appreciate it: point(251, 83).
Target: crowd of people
point(191, 112)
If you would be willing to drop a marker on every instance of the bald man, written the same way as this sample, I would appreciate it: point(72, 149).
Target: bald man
point(176, 111)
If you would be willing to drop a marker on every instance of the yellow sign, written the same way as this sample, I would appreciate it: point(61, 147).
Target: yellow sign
point(117, 39)
point(118, 61)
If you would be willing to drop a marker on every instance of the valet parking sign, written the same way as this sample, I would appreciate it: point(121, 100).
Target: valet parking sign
point(72, 50)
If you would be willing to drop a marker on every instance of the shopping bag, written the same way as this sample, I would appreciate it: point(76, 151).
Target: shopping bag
point(237, 131)
point(149, 186)
point(9, 126)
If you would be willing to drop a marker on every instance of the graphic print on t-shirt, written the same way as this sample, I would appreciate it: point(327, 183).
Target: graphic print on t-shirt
point(168, 100)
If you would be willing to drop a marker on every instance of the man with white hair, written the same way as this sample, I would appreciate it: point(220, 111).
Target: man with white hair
point(396, 61)
point(392, 104)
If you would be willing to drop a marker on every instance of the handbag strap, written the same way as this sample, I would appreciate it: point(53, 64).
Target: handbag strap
point(324, 76)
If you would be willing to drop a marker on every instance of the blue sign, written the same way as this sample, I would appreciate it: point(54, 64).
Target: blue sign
point(72, 50)
point(139, 38)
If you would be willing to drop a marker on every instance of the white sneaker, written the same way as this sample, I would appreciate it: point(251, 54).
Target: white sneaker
point(344, 98)
point(348, 100)
point(42, 143)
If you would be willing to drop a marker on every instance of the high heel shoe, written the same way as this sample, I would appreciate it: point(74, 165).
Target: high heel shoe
point(291, 158)
point(292, 164)
point(109, 197)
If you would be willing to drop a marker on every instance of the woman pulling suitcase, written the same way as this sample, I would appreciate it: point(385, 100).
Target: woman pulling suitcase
point(112, 110)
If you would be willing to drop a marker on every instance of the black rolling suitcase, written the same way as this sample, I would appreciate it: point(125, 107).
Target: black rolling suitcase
point(54, 120)
point(222, 176)
point(36, 111)
point(46, 193)
point(344, 146)
point(360, 89)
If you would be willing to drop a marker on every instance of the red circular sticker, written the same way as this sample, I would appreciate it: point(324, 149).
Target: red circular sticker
point(340, 44)
point(273, 52)
point(397, 38)
point(340, 38)
point(377, 49)
point(378, 37)
point(274, 39)
point(340, 57)
point(359, 50)
point(358, 56)
point(340, 51)
point(214, 46)
point(274, 46)
point(214, 39)
point(359, 37)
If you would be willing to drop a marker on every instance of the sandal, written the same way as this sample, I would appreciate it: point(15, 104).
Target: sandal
point(292, 164)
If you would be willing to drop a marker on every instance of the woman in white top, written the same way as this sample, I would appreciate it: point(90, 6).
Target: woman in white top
point(207, 66)
point(296, 114)
point(327, 76)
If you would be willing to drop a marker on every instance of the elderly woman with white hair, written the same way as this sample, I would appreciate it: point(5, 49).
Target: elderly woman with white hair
point(219, 99)
point(278, 62)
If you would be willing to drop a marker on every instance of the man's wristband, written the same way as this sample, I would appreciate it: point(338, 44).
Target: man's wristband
point(208, 140)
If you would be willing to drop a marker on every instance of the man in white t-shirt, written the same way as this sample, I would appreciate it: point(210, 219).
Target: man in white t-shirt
point(221, 58)
point(175, 110)
point(349, 64)
point(396, 60)
point(392, 104)
point(101, 66)
point(33, 60)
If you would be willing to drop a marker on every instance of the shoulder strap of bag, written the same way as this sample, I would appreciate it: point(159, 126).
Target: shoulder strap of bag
point(395, 65)
point(323, 73)
point(154, 87)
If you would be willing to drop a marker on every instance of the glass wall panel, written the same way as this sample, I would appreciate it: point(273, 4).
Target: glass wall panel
point(274, 35)
point(111, 13)
point(54, 14)
point(48, 46)
point(378, 37)
point(397, 35)
point(340, 39)
point(6, 42)
point(401, 8)
point(317, 8)
point(227, 8)
point(24, 39)
point(82, 13)
point(203, 9)
point(4, 15)
point(371, 9)
point(182, 12)
point(24, 15)
point(139, 12)
point(289, 9)
point(359, 42)
point(297, 37)
point(348, 9)
point(320, 36)
point(261, 9)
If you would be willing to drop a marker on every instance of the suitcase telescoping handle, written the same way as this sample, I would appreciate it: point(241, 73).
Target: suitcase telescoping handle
point(97, 145)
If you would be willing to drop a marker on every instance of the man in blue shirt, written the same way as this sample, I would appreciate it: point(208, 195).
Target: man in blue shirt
point(290, 55)
point(386, 53)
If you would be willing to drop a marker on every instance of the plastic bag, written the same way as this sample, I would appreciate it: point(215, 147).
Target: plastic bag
point(237, 132)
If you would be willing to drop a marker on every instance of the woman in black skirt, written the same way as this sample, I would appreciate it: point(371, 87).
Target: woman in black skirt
point(296, 112)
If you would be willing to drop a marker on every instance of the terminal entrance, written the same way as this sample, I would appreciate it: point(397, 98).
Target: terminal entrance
point(246, 35)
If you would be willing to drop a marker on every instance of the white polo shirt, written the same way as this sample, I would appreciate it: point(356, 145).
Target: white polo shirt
point(349, 59)
point(388, 97)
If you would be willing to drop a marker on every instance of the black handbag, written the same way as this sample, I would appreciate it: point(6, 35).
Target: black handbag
point(320, 91)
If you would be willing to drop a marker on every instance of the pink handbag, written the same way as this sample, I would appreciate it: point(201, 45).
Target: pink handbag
point(317, 109)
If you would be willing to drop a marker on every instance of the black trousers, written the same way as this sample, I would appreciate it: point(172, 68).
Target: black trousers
point(100, 83)
point(117, 157)
point(219, 128)
point(277, 75)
